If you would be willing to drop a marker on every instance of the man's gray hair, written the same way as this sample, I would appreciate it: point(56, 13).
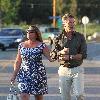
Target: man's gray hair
point(66, 16)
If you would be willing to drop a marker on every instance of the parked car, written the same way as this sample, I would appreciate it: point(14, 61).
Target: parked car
point(50, 33)
point(10, 38)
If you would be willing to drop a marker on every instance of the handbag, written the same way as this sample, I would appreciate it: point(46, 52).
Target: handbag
point(12, 93)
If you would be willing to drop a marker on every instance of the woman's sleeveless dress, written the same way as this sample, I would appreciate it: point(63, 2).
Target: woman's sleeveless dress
point(32, 77)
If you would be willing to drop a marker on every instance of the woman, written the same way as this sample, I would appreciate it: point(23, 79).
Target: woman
point(28, 67)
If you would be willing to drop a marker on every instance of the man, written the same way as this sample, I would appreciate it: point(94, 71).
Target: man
point(72, 49)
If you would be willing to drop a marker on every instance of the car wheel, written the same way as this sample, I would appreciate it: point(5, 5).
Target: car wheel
point(3, 49)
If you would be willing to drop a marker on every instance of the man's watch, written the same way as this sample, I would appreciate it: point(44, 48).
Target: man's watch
point(71, 57)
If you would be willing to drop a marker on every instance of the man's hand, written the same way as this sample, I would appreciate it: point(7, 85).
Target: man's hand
point(64, 51)
point(77, 57)
point(63, 54)
point(64, 57)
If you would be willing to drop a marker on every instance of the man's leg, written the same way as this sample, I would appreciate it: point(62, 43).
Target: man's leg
point(80, 97)
point(65, 87)
point(78, 86)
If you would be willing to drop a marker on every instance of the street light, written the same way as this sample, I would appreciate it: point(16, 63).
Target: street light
point(85, 21)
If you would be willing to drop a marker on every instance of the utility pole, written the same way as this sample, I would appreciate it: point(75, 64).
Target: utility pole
point(0, 16)
point(54, 13)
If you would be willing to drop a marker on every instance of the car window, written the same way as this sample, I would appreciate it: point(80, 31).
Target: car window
point(52, 30)
point(10, 32)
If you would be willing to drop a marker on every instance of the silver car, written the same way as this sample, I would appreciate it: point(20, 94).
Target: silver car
point(10, 38)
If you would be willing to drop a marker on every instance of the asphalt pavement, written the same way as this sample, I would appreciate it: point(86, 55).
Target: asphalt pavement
point(91, 75)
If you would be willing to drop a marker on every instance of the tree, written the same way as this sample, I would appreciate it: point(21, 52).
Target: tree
point(90, 8)
point(67, 6)
point(73, 7)
point(59, 7)
point(35, 11)
point(9, 9)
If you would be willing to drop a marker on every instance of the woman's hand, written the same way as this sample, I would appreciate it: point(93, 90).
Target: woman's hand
point(13, 79)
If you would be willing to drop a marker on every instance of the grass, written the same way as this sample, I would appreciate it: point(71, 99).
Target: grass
point(90, 28)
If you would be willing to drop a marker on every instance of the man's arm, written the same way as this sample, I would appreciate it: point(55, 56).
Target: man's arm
point(82, 52)
point(83, 48)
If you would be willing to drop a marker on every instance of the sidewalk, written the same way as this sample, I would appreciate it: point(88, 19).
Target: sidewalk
point(91, 79)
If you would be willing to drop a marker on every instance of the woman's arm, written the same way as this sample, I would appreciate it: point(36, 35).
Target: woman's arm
point(16, 66)
point(46, 53)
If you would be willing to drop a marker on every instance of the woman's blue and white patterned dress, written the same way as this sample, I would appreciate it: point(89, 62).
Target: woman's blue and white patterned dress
point(32, 77)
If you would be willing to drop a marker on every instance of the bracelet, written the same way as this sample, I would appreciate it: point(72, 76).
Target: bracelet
point(71, 57)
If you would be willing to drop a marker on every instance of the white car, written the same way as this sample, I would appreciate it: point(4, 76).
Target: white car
point(50, 33)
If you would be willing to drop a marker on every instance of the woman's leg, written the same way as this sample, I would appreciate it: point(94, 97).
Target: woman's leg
point(38, 97)
point(24, 96)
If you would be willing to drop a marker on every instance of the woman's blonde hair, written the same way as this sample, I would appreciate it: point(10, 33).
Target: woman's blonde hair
point(35, 29)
